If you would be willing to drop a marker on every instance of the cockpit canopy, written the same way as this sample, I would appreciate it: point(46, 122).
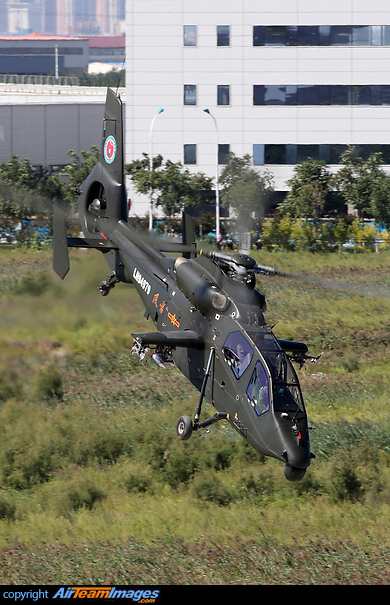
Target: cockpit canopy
point(273, 380)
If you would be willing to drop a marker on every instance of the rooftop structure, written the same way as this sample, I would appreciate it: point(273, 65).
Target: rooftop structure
point(42, 123)
point(38, 54)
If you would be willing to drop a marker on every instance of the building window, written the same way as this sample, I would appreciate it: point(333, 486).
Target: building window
point(376, 35)
point(330, 154)
point(189, 94)
point(223, 152)
point(321, 35)
point(361, 35)
point(258, 35)
point(275, 94)
point(189, 35)
point(309, 35)
point(275, 35)
point(190, 154)
point(223, 94)
point(258, 155)
point(223, 35)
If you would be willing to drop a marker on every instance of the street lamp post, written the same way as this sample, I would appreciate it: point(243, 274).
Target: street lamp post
point(151, 166)
point(217, 215)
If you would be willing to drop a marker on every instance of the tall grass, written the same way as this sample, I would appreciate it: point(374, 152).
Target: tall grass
point(89, 448)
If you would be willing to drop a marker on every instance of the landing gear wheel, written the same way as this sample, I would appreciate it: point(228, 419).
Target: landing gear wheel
point(184, 428)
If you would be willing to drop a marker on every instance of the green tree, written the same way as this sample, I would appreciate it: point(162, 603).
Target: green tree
point(26, 194)
point(310, 190)
point(175, 187)
point(380, 199)
point(77, 171)
point(356, 180)
point(244, 189)
point(365, 185)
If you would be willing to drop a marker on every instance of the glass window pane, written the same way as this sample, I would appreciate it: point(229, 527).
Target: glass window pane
point(361, 35)
point(258, 94)
point(291, 94)
point(385, 94)
point(324, 35)
point(376, 35)
point(291, 154)
point(274, 95)
point(238, 353)
point(258, 35)
point(190, 154)
point(281, 369)
point(189, 35)
point(305, 152)
point(340, 35)
point(223, 35)
point(223, 152)
point(386, 153)
point(257, 391)
point(308, 35)
point(376, 94)
point(223, 94)
point(361, 95)
point(287, 398)
point(340, 95)
point(291, 35)
point(189, 94)
point(275, 35)
point(335, 152)
point(324, 153)
point(386, 35)
point(275, 154)
point(258, 155)
point(324, 95)
point(307, 95)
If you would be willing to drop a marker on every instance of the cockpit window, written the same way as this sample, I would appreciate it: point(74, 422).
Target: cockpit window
point(257, 390)
point(265, 341)
point(286, 392)
point(238, 353)
point(280, 367)
point(287, 398)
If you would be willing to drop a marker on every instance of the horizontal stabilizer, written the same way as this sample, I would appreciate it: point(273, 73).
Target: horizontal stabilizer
point(85, 242)
point(179, 338)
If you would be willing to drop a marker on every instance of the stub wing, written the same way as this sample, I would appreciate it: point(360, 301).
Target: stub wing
point(178, 338)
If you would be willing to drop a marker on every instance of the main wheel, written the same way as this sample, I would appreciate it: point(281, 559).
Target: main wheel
point(184, 428)
point(104, 288)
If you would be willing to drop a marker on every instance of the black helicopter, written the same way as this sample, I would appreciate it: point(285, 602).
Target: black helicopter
point(207, 311)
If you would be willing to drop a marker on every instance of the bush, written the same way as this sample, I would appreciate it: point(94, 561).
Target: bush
point(211, 489)
point(297, 234)
point(48, 383)
point(7, 509)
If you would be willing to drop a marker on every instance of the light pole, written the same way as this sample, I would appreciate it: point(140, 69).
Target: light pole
point(151, 167)
point(217, 217)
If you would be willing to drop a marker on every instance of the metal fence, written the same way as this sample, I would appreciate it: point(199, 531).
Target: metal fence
point(40, 80)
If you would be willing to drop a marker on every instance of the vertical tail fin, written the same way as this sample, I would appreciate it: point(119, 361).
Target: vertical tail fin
point(103, 193)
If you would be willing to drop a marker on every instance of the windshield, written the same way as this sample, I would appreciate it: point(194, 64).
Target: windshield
point(285, 387)
point(238, 353)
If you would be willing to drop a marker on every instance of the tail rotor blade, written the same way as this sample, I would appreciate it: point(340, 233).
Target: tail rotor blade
point(60, 244)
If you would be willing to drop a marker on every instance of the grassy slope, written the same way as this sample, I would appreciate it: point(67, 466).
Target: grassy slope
point(89, 453)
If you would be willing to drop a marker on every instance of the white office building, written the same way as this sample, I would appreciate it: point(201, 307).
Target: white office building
point(285, 80)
